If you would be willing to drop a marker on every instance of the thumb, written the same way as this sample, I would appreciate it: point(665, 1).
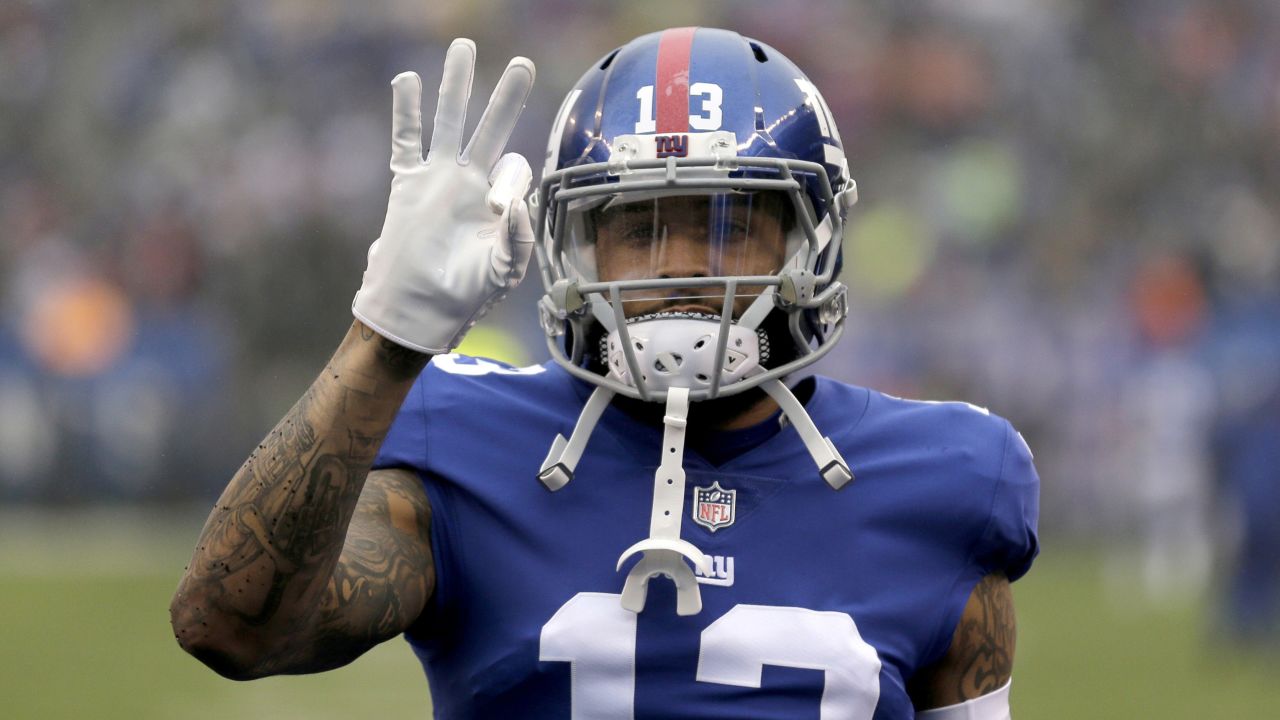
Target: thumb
point(510, 255)
point(508, 182)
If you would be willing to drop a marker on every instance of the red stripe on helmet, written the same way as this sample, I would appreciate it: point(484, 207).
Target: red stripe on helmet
point(672, 83)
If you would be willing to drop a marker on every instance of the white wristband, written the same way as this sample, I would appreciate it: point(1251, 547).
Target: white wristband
point(992, 706)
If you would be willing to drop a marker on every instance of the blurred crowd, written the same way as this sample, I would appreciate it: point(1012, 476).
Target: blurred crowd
point(1068, 215)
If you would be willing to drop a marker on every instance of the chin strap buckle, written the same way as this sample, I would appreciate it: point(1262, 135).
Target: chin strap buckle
point(557, 469)
point(831, 465)
point(664, 553)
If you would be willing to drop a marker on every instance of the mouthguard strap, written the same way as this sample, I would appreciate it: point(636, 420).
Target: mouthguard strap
point(664, 552)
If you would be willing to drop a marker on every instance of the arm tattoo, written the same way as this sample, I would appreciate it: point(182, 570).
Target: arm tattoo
point(402, 362)
point(985, 639)
point(382, 580)
point(275, 552)
point(980, 659)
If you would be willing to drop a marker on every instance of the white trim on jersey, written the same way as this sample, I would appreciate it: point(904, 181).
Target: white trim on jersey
point(992, 706)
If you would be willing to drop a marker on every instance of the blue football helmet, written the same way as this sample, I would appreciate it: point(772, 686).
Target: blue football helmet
point(738, 132)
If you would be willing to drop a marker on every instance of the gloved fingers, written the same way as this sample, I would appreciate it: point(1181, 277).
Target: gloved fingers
point(406, 121)
point(508, 182)
point(499, 118)
point(455, 91)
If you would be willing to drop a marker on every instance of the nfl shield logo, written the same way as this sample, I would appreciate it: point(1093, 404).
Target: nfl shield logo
point(713, 507)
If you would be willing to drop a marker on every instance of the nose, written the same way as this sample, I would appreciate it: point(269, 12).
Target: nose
point(682, 252)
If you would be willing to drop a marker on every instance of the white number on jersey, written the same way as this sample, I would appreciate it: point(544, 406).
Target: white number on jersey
point(456, 364)
point(597, 637)
point(593, 633)
point(737, 646)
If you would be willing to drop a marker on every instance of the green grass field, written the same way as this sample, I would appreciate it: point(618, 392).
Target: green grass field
point(85, 634)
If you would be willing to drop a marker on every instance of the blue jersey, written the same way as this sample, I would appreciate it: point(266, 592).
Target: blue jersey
point(820, 603)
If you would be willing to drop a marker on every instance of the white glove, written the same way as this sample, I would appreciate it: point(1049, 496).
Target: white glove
point(457, 236)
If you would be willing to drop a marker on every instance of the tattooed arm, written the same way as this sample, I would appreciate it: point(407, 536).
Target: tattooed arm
point(303, 564)
point(980, 660)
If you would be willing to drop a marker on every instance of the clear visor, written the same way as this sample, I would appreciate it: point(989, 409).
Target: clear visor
point(622, 237)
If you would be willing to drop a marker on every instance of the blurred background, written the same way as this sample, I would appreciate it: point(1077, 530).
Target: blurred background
point(1069, 215)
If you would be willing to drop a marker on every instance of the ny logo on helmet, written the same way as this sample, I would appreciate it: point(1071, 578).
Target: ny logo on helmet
point(672, 145)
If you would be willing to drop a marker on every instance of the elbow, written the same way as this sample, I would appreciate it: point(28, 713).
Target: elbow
point(216, 640)
point(225, 661)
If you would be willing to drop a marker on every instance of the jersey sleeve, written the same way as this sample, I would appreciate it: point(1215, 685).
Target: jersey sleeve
point(406, 443)
point(1009, 543)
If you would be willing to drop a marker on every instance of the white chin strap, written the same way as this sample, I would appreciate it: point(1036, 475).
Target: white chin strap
point(691, 352)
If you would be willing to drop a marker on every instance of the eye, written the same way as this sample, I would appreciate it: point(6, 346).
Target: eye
point(627, 229)
point(636, 232)
point(732, 229)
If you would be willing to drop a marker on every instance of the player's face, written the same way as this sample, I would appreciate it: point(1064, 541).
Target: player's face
point(691, 237)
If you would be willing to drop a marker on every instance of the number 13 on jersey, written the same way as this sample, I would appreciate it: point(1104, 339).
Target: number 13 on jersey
point(594, 633)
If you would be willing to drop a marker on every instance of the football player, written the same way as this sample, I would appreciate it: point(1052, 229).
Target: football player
point(653, 523)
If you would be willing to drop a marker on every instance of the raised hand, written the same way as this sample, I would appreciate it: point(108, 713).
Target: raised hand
point(457, 235)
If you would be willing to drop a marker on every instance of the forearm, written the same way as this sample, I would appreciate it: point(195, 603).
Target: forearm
point(270, 545)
